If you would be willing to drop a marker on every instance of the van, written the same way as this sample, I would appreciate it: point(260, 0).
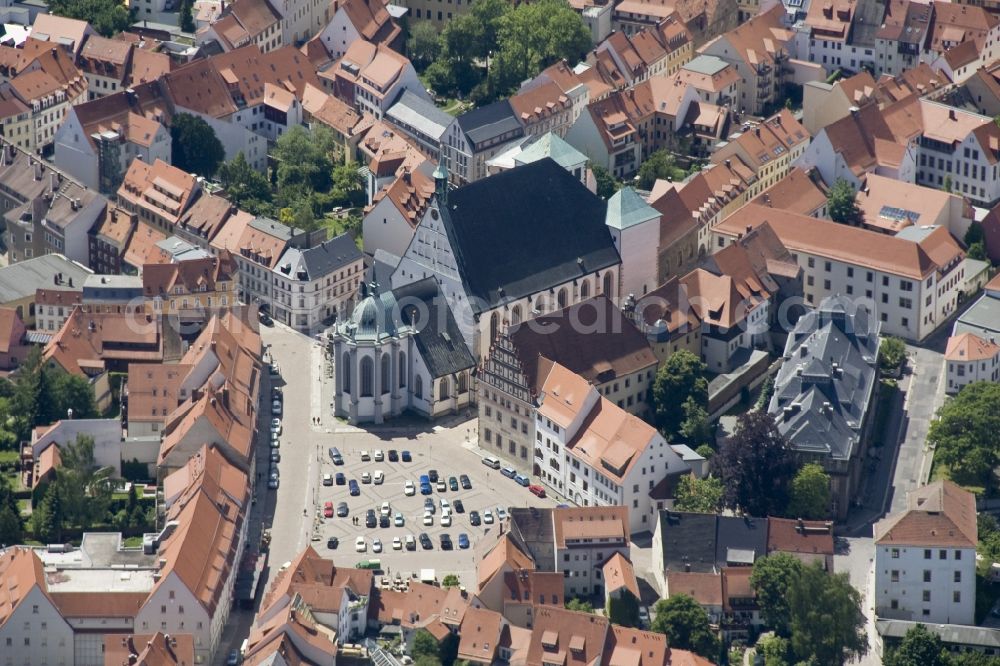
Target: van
point(492, 461)
point(335, 457)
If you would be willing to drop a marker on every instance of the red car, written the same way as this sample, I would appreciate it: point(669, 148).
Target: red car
point(537, 491)
point(328, 510)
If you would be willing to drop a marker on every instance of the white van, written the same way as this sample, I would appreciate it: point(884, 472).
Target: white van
point(492, 461)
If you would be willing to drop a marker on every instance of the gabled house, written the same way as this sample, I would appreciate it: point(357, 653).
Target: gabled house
point(32, 627)
point(477, 135)
point(360, 19)
point(392, 218)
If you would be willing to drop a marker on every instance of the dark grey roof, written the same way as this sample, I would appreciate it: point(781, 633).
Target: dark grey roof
point(739, 541)
point(981, 318)
point(526, 230)
point(533, 528)
point(824, 388)
point(22, 279)
point(688, 542)
point(438, 337)
point(488, 122)
point(330, 256)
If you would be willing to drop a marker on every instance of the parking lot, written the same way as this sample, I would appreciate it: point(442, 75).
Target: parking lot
point(447, 446)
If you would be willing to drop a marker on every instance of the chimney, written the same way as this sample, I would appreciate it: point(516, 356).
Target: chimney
point(951, 114)
point(38, 170)
point(54, 181)
point(406, 176)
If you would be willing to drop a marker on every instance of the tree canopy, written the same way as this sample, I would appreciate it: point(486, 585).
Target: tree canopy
point(966, 433)
point(827, 624)
point(696, 428)
point(246, 187)
point(661, 165)
point(891, 353)
point(842, 202)
point(681, 377)
point(686, 625)
point(623, 609)
point(194, 147)
point(771, 579)
point(606, 183)
point(756, 466)
point(809, 493)
point(43, 395)
point(580, 605)
point(701, 495)
point(423, 45)
point(919, 647)
point(108, 17)
point(425, 645)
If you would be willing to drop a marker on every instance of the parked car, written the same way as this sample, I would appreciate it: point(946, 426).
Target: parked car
point(508, 472)
point(370, 519)
point(501, 513)
point(458, 506)
point(487, 516)
point(328, 479)
point(365, 457)
point(343, 510)
point(428, 519)
point(537, 491)
point(335, 456)
point(275, 455)
point(276, 408)
point(354, 488)
point(474, 519)
point(466, 483)
point(276, 426)
point(360, 545)
point(264, 319)
point(643, 616)
point(384, 521)
point(406, 456)
point(522, 480)
point(446, 519)
point(425, 541)
point(393, 455)
point(453, 483)
point(340, 478)
point(275, 442)
point(378, 477)
point(446, 542)
point(432, 474)
point(411, 542)
point(397, 543)
point(376, 545)
point(398, 519)
point(442, 486)
point(379, 456)
point(332, 543)
point(366, 477)
point(429, 505)
point(233, 659)
point(409, 489)
point(328, 510)
point(463, 540)
point(385, 509)
point(272, 484)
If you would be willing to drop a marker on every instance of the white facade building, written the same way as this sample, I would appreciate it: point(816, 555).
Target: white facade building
point(969, 358)
point(925, 558)
point(635, 228)
point(32, 631)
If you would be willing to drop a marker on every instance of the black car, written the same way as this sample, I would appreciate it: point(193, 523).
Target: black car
point(393, 455)
point(446, 543)
point(264, 319)
point(433, 475)
point(332, 543)
point(453, 483)
point(474, 518)
point(458, 506)
point(355, 488)
point(370, 519)
point(340, 478)
point(406, 456)
point(276, 394)
point(384, 521)
point(425, 541)
point(466, 484)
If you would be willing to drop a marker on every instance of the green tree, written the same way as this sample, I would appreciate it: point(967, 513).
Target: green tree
point(702, 495)
point(661, 165)
point(623, 609)
point(842, 202)
point(62, 392)
point(108, 17)
point(705, 451)
point(424, 45)
point(11, 525)
point(194, 146)
point(580, 605)
point(681, 377)
point(947, 184)
point(24, 402)
point(771, 579)
point(919, 647)
point(448, 649)
point(305, 162)
point(606, 183)
point(686, 625)
point(756, 466)
point(977, 251)
point(425, 645)
point(85, 489)
point(187, 16)
point(774, 649)
point(696, 428)
point(809, 495)
point(47, 518)
point(245, 187)
point(974, 234)
point(891, 353)
point(827, 624)
point(451, 580)
point(966, 433)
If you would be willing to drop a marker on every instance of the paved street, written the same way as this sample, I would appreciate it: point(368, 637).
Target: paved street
point(855, 557)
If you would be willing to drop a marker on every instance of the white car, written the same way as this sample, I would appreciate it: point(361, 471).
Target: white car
point(276, 408)
point(411, 542)
point(385, 509)
point(501, 513)
point(360, 545)
point(378, 477)
point(488, 517)
point(366, 477)
point(365, 457)
point(397, 543)
point(442, 486)
point(275, 443)
point(428, 519)
point(445, 505)
point(379, 456)
point(446, 519)
point(398, 520)
point(328, 479)
point(409, 489)
point(376, 545)
point(276, 426)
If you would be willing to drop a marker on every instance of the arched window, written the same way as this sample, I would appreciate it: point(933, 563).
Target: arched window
point(562, 298)
point(345, 373)
point(418, 387)
point(494, 324)
point(443, 389)
point(585, 289)
point(386, 384)
point(367, 377)
point(402, 369)
point(515, 315)
point(463, 383)
point(607, 284)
